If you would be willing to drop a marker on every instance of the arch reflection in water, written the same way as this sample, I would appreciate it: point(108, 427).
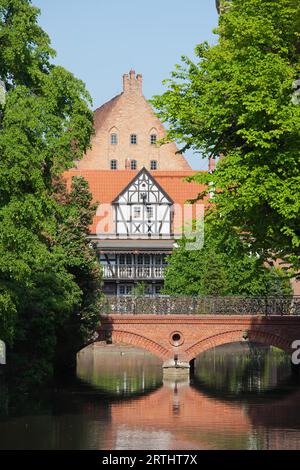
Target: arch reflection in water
point(242, 369)
point(119, 369)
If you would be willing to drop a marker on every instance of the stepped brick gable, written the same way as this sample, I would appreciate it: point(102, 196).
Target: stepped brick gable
point(129, 114)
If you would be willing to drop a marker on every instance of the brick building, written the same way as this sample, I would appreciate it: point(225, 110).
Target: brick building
point(140, 189)
point(126, 135)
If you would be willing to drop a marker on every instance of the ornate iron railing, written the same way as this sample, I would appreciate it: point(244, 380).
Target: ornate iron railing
point(167, 305)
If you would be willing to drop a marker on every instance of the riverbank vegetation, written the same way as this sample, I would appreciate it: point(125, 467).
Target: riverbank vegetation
point(50, 281)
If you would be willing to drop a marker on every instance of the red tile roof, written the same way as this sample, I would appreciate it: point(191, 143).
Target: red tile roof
point(106, 185)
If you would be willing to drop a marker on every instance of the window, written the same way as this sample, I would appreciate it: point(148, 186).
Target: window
point(113, 139)
point(148, 290)
point(153, 165)
point(133, 164)
point(149, 210)
point(157, 289)
point(133, 139)
point(153, 139)
point(124, 289)
point(113, 164)
point(136, 212)
point(125, 259)
point(158, 259)
point(143, 260)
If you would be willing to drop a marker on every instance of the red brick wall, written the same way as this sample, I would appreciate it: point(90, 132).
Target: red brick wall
point(126, 114)
point(198, 332)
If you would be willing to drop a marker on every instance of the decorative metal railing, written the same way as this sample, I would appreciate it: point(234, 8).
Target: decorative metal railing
point(132, 271)
point(167, 305)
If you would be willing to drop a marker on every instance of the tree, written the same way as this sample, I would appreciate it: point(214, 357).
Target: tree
point(238, 101)
point(76, 216)
point(222, 267)
point(46, 125)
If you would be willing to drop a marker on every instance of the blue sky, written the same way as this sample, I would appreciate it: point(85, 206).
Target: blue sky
point(99, 40)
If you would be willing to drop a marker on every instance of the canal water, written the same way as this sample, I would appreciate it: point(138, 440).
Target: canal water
point(240, 397)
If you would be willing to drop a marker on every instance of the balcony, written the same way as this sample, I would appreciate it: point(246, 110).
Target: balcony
point(134, 272)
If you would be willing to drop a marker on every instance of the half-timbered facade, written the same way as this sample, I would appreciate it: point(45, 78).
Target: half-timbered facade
point(143, 208)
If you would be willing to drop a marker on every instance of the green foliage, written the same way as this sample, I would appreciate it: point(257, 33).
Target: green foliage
point(49, 279)
point(139, 289)
point(222, 267)
point(76, 216)
point(237, 101)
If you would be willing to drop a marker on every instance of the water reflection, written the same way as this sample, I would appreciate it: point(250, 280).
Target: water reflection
point(119, 370)
point(242, 370)
point(237, 400)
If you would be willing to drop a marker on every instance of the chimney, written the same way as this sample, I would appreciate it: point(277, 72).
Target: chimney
point(125, 83)
point(211, 165)
point(139, 78)
point(132, 83)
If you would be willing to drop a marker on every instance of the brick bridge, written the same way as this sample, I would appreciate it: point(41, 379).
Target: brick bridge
point(177, 338)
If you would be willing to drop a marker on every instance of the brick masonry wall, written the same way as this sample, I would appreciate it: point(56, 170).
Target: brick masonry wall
point(126, 114)
point(197, 333)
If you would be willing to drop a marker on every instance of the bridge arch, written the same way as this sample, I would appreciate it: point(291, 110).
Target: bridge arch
point(120, 336)
point(236, 336)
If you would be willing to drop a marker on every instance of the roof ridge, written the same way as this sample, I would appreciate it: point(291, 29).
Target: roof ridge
point(108, 102)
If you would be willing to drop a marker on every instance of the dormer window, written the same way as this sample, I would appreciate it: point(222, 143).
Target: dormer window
point(133, 165)
point(113, 165)
point(153, 165)
point(114, 139)
point(133, 139)
point(153, 139)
